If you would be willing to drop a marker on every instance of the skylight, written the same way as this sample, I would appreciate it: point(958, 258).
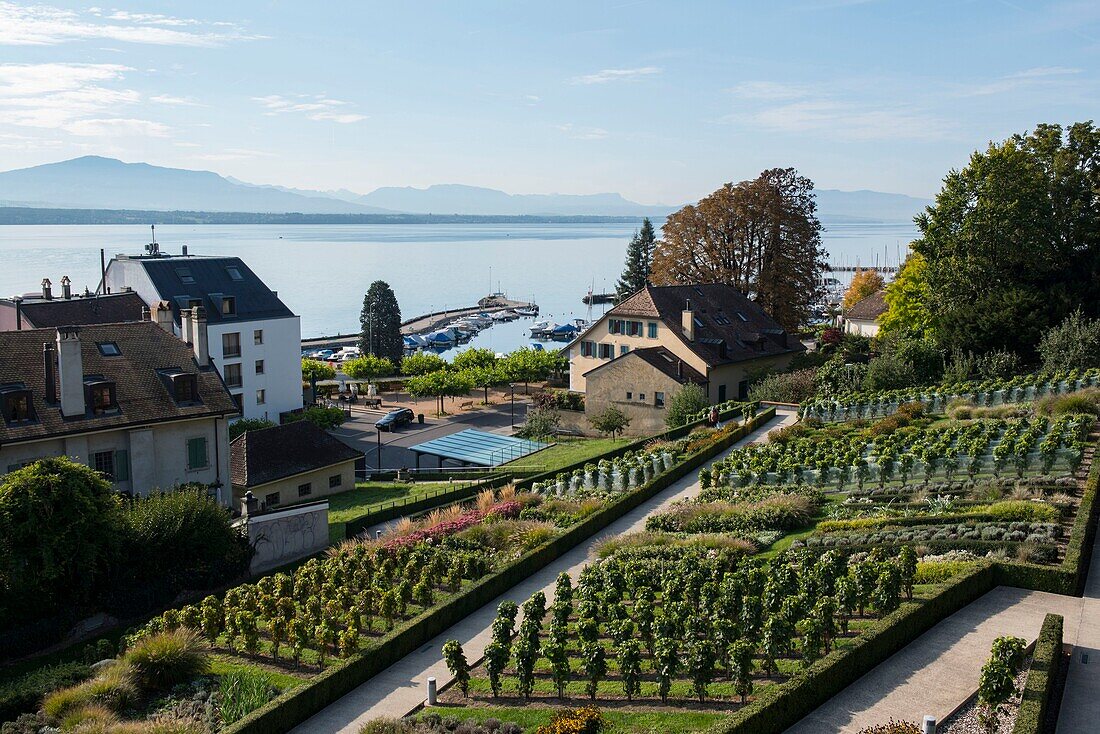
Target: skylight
point(234, 273)
point(109, 349)
point(185, 275)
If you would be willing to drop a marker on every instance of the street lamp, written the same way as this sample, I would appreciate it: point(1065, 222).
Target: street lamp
point(378, 433)
point(513, 386)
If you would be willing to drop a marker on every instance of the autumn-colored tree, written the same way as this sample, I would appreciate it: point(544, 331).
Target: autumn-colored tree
point(864, 283)
point(907, 298)
point(761, 237)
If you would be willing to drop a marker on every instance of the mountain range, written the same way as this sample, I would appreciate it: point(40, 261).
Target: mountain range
point(94, 182)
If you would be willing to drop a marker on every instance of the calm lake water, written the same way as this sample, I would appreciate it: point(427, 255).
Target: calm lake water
point(322, 271)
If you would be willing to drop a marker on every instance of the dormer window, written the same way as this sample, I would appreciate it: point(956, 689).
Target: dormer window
point(16, 404)
point(182, 386)
point(185, 275)
point(99, 394)
point(229, 306)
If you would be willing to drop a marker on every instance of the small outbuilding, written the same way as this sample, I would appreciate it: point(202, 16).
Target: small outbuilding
point(862, 318)
point(289, 464)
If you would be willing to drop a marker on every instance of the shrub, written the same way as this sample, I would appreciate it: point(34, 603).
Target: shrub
point(1019, 510)
point(1082, 401)
point(684, 404)
point(936, 572)
point(113, 688)
point(386, 725)
point(244, 691)
point(182, 540)
point(785, 387)
point(540, 423)
point(164, 659)
point(1073, 344)
point(243, 425)
point(586, 720)
point(892, 727)
point(23, 694)
point(326, 418)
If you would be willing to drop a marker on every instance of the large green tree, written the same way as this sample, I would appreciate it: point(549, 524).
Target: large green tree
point(1012, 242)
point(639, 259)
point(761, 236)
point(59, 529)
point(381, 322)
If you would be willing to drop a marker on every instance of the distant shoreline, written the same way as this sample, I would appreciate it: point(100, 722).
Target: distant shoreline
point(34, 215)
point(14, 215)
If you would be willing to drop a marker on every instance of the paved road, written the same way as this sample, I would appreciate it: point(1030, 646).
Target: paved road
point(400, 688)
point(1081, 699)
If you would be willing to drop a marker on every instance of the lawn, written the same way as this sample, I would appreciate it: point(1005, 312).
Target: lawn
point(371, 496)
point(566, 451)
point(658, 721)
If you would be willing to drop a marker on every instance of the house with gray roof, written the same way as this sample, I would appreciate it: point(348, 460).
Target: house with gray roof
point(255, 340)
point(863, 317)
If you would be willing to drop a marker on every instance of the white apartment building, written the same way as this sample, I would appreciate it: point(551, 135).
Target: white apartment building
point(255, 340)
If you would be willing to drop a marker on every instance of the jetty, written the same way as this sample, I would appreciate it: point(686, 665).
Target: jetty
point(422, 324)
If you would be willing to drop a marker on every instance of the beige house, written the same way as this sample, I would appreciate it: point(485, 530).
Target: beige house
point(130, 400)
point(862, 318)
point(290, 464)
point(642, 351)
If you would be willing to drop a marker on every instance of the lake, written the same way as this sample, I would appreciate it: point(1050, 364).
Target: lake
point(322, 271)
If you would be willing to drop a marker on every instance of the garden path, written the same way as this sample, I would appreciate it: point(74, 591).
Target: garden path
point(400, 688)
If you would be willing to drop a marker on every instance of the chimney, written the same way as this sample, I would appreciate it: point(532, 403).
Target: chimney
point(249, 504)
point(162, 314)
point(71, 371)
point(49, 357)
point(18, 312)
point(185, 250)
point(680, 368)
point(687, 321)
point(186, 331)
point(47, 293)
point(66, 287)
point(201, 337)
point(145, 314)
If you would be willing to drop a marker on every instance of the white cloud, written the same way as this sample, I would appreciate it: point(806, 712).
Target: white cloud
point(768, 90)
point(846, 121)
point(71, 97)
point(315, 107)
point(168, 99)
point(43, 25)
point(118, 126)
point(616, 75)
point(1035, 77)
point(578, 132)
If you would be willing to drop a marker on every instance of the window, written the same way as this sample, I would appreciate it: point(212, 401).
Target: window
point(108, 349)
point(238, 400)
point(588, 349)
point(629, 395)
point(635, 328)
point(623, 349)
point(258, 337)
point(229, 306)
point(100, 396)
point(261, 397)
point(721, 319)
point(104, 463)
point(15, 400)
point(233, 375)
point(652, 329)
point(272, 500)
point(607, 351)
point(614, 326)
point(231, 345)
point(259, 366)
point(659, 399)
point(641, 396)
point(742, 316)
point(698, 322)
point(335, 480)
point(234, 273)
point(196, 454)
point(305, 490)
point(185, 388)
point(184, 275)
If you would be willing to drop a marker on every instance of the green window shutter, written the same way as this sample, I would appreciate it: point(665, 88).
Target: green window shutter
point(196, 453)
point(122, 466)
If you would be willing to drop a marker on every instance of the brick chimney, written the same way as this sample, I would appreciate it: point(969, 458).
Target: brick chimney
point(187, 332)
point(201, 336)
point(161, 315)
point(47, 289)
point(70, 371)
point(687, 321)
point(66, 287)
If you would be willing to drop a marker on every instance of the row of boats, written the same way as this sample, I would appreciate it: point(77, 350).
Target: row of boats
point(464, 328)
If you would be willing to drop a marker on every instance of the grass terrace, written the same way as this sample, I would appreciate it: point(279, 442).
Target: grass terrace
point(568, 451)
point(368, 497)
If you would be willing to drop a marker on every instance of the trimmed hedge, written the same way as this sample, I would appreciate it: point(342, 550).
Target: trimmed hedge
point(777, 707)
point(1040, 679)
point(298, 704)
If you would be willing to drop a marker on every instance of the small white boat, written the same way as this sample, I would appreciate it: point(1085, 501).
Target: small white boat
point(531, 310)
point(543, 329)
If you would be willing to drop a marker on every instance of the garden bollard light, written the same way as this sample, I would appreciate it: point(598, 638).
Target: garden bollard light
point(377, 534)
point(431, 692)
point(929, 725)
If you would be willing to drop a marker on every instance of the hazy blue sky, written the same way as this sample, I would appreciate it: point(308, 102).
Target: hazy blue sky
point(661, 101)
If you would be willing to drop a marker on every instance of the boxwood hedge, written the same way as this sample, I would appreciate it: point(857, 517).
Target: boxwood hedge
point(1040, 679)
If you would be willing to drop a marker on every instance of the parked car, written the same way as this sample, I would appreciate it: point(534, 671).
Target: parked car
point(394, 419)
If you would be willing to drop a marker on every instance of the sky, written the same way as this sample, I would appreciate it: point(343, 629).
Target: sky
point(660, 101)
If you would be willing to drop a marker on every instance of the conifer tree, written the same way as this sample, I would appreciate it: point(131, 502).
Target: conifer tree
point(381, 323)
point(639, 255)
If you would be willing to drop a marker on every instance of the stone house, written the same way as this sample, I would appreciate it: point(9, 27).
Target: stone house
point(642, 351)
point(130, 400)
point(862, 318)
point(290, 464)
